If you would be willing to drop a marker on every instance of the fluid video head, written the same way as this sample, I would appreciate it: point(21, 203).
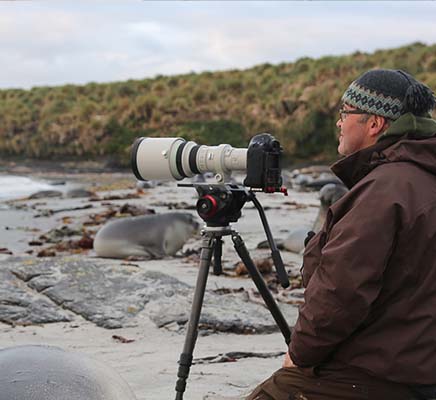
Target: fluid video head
point(176, 159)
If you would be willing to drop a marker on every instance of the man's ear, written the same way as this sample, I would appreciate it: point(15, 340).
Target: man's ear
point(377, 125)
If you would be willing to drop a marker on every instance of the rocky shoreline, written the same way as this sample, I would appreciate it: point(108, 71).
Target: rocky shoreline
point(55, 290)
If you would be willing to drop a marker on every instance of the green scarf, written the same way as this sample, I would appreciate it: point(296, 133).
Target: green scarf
point(411, 124)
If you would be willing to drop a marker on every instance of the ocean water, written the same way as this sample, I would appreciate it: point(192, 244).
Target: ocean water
point(13, 187)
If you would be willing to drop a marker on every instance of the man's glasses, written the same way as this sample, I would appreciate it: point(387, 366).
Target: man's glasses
point(343, 113)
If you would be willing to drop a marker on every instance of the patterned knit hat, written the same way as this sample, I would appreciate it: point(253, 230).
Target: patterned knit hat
point(389, 93)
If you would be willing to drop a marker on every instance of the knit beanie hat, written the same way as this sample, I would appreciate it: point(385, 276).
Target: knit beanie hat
point(389, 93)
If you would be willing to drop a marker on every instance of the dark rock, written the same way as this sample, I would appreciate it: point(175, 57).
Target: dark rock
point(86, 242)
point(317, 184)
point(44, 213)
point(78, 193)
point(4, 250)
point(265, 244)
point(233, 356)
point(122, 339)
point(57, 183)
point(175, 206)
point(263, 265)
point(49, 212)
point(35, 243)
point(126, 196)
point(56, 235)
point(97, 219)
point(145, 184)
point(46, 253)
point(135, 210)
point(42, 194)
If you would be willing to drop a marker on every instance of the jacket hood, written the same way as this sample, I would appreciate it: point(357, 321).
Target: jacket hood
point(409, 139)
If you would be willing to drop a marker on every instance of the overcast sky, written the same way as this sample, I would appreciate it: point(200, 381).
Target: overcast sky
point(58, 42)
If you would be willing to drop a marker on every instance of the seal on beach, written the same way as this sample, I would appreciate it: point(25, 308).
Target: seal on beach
point(50, 373)
point(150, 236)
point(328, 195)
point(294, 242)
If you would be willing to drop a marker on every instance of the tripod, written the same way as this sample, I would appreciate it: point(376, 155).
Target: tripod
point(218, 206)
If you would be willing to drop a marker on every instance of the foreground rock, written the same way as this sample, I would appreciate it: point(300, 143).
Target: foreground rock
point(21, 306)
point(112, 296)
point(109, 296)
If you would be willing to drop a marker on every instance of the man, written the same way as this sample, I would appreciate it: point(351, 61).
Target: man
point(367, 329)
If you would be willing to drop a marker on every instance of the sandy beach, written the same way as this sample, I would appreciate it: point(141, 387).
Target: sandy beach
point(143, 354)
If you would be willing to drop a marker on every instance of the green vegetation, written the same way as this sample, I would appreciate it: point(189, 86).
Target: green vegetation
point(296, 102)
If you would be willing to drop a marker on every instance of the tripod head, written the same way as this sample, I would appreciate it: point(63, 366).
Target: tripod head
point(219, 205)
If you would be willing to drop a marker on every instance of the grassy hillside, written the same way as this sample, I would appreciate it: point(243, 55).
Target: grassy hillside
point(296, 102)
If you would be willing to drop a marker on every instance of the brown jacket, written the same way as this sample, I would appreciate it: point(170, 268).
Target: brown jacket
point(370, 273)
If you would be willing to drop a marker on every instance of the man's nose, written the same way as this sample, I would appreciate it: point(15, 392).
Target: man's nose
point(339, 123)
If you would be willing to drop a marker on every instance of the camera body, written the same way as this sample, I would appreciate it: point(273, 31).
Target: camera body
point(176, 159)
point(263, 164)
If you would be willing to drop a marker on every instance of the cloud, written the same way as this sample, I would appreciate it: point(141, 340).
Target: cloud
point(54, 43)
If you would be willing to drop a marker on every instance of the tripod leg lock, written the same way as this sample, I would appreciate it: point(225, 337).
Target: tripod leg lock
point(185, 363)
point(237, 241)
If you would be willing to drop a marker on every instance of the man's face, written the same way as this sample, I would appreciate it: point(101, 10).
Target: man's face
point(353, 134)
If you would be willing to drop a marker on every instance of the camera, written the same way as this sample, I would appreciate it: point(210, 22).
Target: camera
point(176, 159)
point(218, 205)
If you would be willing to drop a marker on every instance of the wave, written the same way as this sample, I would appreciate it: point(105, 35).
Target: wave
point(12, 187)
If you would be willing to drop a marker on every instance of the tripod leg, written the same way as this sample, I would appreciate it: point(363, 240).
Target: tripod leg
point(241, 249)
point(217, 256)
point(185, 361)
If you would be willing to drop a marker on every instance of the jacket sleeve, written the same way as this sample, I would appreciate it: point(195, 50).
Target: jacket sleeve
point(349, 275)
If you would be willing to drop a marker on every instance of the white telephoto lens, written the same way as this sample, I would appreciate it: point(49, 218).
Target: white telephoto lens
point(155, 158)
point(221, 159)
point(175, 158)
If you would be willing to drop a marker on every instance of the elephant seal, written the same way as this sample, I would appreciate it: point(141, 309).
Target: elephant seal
point(328, 195)
point(294, 242)
point(50, 373)
point(150, 236)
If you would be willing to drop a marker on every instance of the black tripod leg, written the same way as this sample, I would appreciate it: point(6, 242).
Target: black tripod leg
point(185, 361)
point(217, 256)
point(261, 287)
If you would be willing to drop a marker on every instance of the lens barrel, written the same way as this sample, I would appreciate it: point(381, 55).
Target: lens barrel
point(175, 158)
